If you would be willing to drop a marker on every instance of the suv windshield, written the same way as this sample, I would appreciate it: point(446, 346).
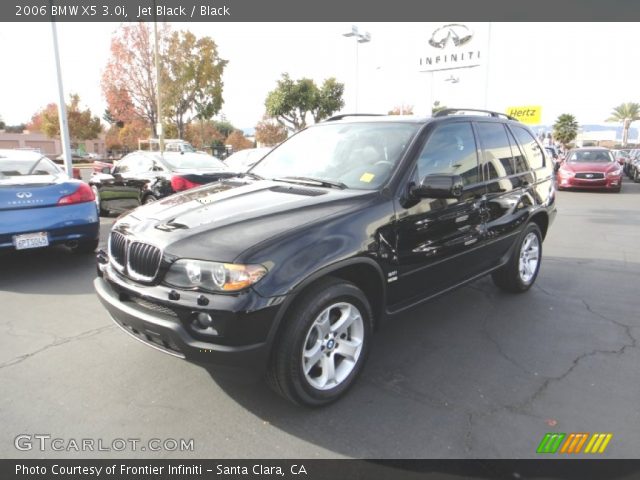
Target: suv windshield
point(356, 155)
point(591, 156)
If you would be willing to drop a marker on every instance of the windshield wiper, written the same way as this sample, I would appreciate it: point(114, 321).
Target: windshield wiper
point(249, 174)
point(312, 181)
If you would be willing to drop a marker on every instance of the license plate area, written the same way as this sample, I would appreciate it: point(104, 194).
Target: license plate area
point(31, 240)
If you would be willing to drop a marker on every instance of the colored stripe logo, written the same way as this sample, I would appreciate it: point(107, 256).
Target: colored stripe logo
point(574, 442)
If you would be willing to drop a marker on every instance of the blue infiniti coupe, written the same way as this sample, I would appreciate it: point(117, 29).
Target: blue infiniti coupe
point(41, 206)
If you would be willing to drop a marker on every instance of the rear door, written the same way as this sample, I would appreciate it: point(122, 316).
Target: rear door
point(115, 192)
point(509, 182)
point(438, 240)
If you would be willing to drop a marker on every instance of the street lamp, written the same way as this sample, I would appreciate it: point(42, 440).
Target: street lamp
point(360, 38)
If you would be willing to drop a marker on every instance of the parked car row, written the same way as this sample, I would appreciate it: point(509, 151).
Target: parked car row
point(41, 206)
point(632, 165)
point(590, 168)
point(143, 177)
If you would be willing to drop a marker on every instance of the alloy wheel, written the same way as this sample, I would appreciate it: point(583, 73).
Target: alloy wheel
point(529, 257)
point(332, 346)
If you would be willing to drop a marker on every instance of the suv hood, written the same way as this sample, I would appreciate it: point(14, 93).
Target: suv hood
point(219, 221)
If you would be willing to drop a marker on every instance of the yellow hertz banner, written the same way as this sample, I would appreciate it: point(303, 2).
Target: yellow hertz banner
point(530, 114)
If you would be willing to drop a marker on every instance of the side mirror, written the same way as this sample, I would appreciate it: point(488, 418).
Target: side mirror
point(438, 186)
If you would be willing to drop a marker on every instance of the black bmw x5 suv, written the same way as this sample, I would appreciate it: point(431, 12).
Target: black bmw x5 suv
point(292, 266)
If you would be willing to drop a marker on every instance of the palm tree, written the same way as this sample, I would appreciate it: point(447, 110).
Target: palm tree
point(565, 130)
point(627, 113)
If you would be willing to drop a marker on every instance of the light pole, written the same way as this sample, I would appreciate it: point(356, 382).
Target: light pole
point(360, 38)
point(62, 107)
point(159, 129)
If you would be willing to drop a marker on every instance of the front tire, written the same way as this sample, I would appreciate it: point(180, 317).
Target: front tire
point(323, 345)
point(521, 271)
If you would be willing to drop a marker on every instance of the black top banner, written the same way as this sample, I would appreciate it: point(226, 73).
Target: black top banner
point(315, 11)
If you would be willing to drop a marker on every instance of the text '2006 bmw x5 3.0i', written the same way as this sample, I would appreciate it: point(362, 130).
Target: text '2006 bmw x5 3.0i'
point(347, 223)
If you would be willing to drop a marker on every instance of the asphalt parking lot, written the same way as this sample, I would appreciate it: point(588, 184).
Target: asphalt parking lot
point(474, 374)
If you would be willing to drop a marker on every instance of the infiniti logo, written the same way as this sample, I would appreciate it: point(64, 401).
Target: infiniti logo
point(24, 195)
point(453, 33)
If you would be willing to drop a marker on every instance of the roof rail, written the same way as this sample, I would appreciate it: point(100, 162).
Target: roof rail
point(454, 111)
point(345, 115)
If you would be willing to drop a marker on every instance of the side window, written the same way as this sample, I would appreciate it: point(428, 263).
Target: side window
point(124, 165)
point(498, 157)
point(451, 149)
point(143, 165)
point(521, 165)
point(532, 150)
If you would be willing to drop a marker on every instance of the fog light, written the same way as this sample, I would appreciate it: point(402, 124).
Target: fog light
point(204, 320)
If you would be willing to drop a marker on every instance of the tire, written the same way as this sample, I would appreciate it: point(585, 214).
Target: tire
point(636, 176)
point(307, 365)
point(86, 246)
point(101, 211)
point(149, 199)
point(521, 271)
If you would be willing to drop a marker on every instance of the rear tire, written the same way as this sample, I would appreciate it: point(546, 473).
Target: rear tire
point(149, 199)
point(101, 211)
point(521, 271)
point(323, 344)
point(86, 246)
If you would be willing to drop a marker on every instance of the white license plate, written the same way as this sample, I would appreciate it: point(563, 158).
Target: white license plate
point(31, 240)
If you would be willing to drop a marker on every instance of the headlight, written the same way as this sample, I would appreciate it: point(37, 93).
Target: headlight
point(614, 173)
point(213, 276)
point(566, 173)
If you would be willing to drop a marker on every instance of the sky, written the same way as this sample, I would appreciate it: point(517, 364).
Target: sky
point(584, 69)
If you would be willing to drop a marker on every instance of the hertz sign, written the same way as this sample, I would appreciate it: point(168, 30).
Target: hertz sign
point(530, 115)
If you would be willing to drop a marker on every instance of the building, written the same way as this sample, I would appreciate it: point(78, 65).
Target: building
point(49, 146)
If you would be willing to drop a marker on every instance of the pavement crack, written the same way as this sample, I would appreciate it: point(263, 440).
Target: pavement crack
point(56, 343)
point(468, 440)
point(502, 353)
point(625, 327)
point(543, 290)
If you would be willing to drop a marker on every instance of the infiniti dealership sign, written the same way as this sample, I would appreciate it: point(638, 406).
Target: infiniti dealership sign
point(454, 45)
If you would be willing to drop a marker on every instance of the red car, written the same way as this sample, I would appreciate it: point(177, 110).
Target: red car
point(590, 168)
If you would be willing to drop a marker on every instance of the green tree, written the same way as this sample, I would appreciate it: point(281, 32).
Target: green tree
point(129, 80)
point(82, 124)
point(2, 124)
point(329, 99)
point(192, 79)
point(15, 128)
point(108, 117)
point(270, 133)
point(565, 130)
point(626, 113)
point(291, 101)
point(224, 127)
point(437, 107)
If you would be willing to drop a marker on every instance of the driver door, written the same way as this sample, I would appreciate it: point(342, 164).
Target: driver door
point(438, 241)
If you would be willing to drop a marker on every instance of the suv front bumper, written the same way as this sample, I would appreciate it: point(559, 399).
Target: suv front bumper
point(164, 330)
